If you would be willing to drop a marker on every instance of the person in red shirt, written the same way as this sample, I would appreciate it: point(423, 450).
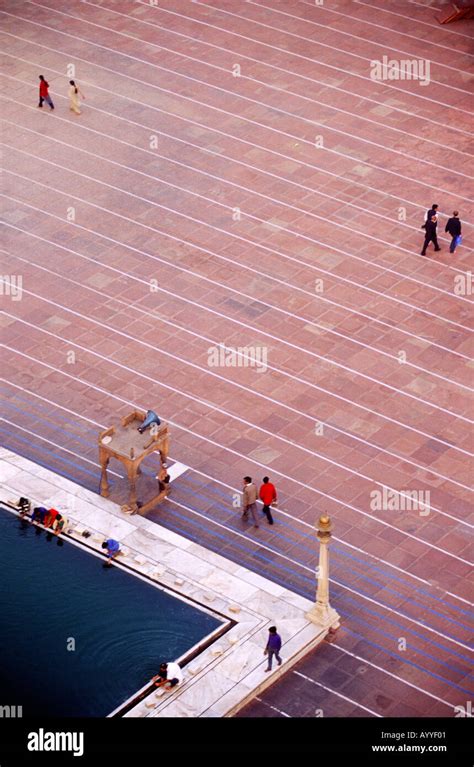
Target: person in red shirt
point(44, 93)
point(51, 517)
point(268, 496)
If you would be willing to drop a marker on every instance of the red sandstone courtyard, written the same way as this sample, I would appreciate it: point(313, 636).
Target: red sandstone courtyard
point(238, 180)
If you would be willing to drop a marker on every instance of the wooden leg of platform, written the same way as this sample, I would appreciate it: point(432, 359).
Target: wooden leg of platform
point(153, 502)
point(104, 485)
point(132, 479)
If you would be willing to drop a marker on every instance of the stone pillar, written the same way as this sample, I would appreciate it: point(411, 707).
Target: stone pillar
point(322, 613)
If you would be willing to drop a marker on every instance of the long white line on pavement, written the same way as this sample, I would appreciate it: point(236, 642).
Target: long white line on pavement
point(287, 52)
point(102, 294)
point(320, 297)
point(283, 91)
point(270, 367)
point(250, 21)
point(434, 27)
point(389, 673)
point(295, 75)
point(350, 158)
point(197, 221)
point(253, 243)
point(241, 55)
point(429, 507)
point(360, 20)
point(324, 328)
point(229, 207)
point(172, 161)
point(334, 692)
point(234, 490)
point(235, 139)
point(322, 358)
point(60, 447)
point(337, 30)
point(268, 705)
point(309, 569)
point(229, 449)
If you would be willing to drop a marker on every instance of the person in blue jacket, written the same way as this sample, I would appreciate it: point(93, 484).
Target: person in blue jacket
point(113, 549)
point(273, 647)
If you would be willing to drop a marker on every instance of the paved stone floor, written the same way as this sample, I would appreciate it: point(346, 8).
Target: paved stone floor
point(236, 177)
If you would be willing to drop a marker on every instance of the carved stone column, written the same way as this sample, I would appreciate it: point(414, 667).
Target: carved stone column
point(322, 613)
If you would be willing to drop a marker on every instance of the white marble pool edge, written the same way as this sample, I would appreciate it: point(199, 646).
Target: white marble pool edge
point(230, 672)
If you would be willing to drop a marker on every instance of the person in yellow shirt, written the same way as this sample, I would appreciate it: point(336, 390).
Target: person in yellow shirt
point(75, 94)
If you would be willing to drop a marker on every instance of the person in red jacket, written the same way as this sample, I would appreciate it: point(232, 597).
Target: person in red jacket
point(51, 517)
point(44, 93)
point(268, 496)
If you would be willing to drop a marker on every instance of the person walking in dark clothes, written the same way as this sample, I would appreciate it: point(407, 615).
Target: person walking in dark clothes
point(433, 211)
point(44, 93)
point(267, 495)
point(430, 226)
point(273, 647)
point(453, 226)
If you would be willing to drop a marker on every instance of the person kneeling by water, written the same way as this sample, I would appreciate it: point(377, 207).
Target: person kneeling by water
point(170, 674)
point(59, 524)
point(113, 549)
point(51, 517)
point(24, 506)
point(39, 515)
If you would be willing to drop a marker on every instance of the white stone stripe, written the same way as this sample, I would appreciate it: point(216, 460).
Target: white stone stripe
point(176, 470)
point(339, 694)
point(274, 708)
point(89, 318)
point(389, 673)
point(207, 439)
point(233, 489)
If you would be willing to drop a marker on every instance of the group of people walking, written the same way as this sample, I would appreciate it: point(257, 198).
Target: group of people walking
point(453, 227)
point(267, 494)
point(75, 95)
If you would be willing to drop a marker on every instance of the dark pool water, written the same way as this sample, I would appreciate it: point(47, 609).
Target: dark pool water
point(122, 627)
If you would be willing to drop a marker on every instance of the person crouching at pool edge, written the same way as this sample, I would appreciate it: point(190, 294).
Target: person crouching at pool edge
point(59, 524)
point(113, 549)
point(51, 517)
point(24, 506)
point(170, 674)
point(39, 515)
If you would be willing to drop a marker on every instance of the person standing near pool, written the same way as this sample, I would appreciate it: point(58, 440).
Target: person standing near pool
point(170, 674)
point(74, 94)
point(113, 549)
point(273, 647)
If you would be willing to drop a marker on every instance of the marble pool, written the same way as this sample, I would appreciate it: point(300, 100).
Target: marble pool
point(79, 638)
